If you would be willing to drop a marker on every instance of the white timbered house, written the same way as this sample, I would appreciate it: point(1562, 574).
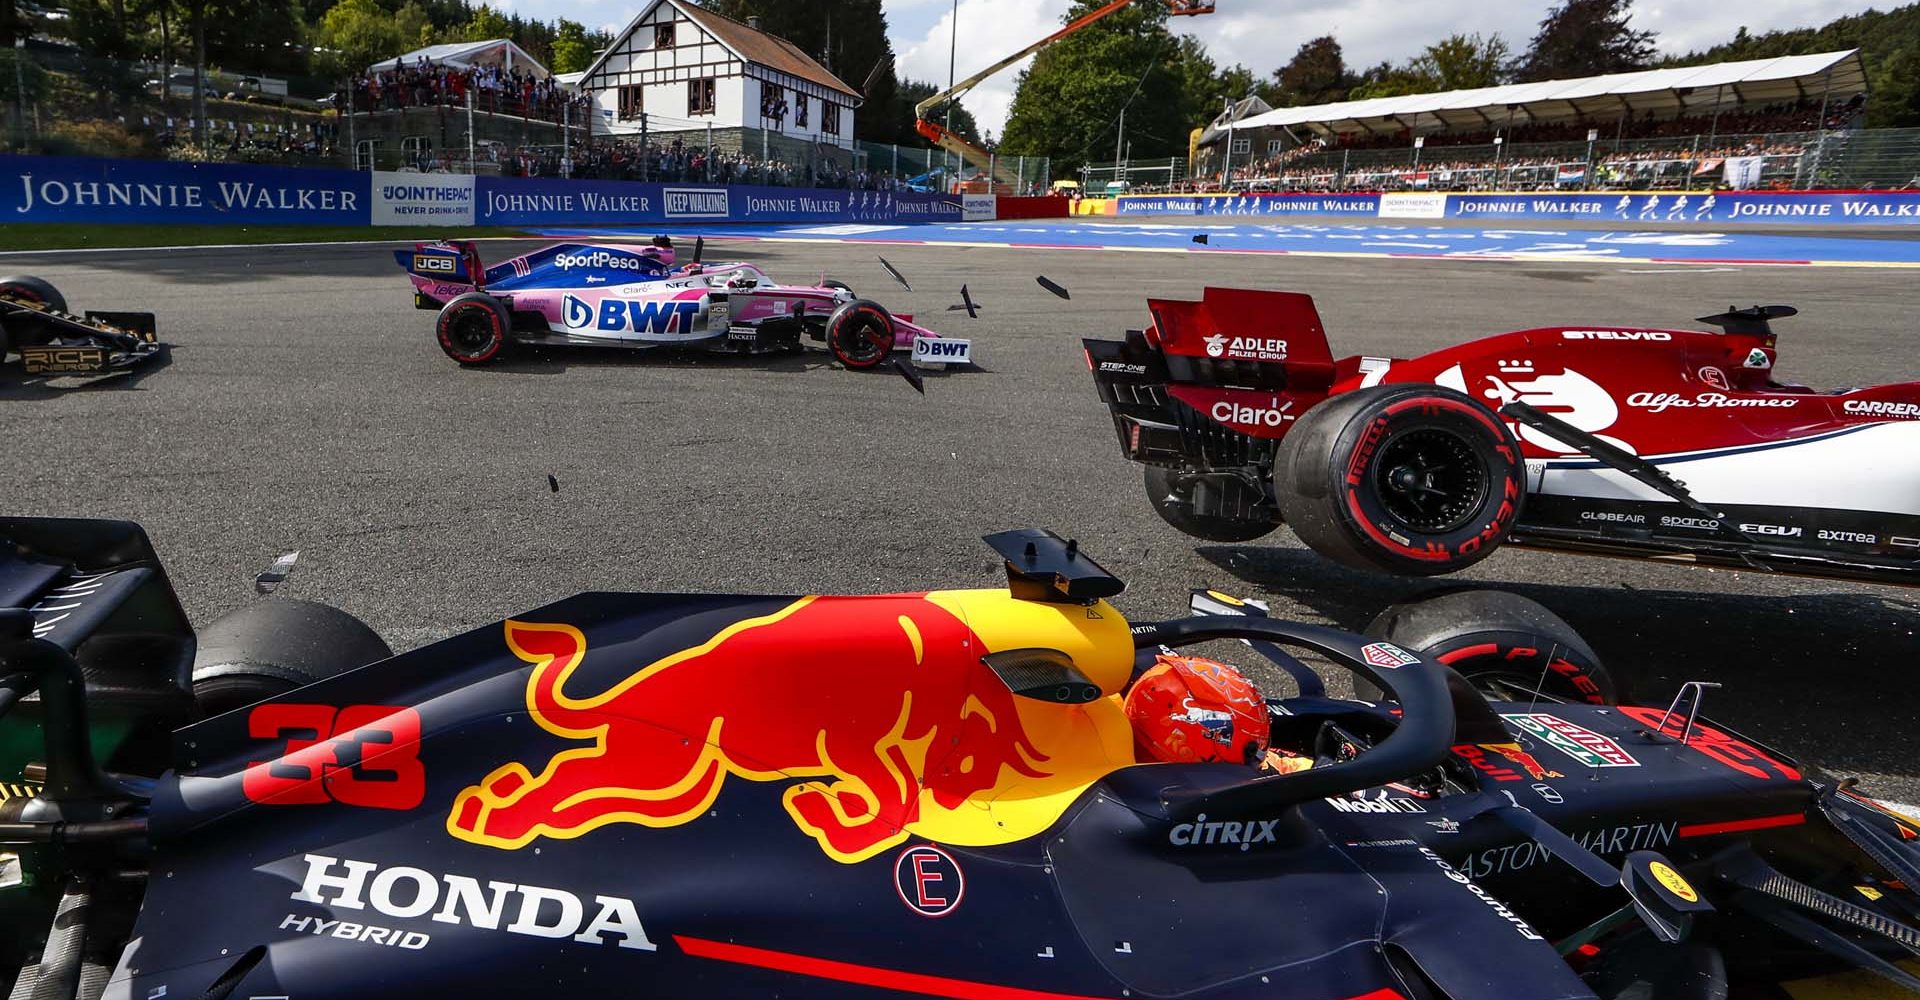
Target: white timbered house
point(679, 67)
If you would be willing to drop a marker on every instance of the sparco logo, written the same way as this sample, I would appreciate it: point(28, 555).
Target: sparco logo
point(1878, 408)
point(695, 203)
point(1259, 831)
point(1656, 402)
point(404, 893)
point(601, 259)
point(1615, 335)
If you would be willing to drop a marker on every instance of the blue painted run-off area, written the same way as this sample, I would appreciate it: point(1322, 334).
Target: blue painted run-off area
point(1379, 239)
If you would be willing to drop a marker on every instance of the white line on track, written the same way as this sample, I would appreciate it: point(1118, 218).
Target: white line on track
point(1677, 270)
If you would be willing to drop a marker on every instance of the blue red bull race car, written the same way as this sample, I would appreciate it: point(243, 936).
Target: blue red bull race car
point(933, 794)
point(636, 296)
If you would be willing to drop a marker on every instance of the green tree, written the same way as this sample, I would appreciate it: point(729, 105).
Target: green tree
point(912, 92)
point(412, 27)
point(485, 24)
point(1317, 74)
point(1457, 62)
point(1068, 103)
point(1586, 38)
point(1464, 62)
point(572, 52)
point(355, 34)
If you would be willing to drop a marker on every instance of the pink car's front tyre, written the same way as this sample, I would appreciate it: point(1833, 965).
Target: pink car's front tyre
point(860, 334)
point(473, 328)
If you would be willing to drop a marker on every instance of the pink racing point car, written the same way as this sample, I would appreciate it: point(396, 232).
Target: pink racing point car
point(634, 296)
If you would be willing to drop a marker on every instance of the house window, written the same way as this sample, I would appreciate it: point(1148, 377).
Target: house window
point(829, 118)
point(800, 109)
point(632, 104)
point(700, 96)
point(1243, 145)
point(1273, 147)
point(663, 35)
point(773, 102)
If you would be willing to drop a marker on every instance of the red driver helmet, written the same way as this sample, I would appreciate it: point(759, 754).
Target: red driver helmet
point(1188, 709)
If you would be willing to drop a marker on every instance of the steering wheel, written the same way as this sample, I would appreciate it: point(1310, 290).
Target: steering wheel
point(1421, 741)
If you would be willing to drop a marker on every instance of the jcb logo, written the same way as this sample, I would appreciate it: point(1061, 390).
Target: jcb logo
point(62, 359)
point(433, 262)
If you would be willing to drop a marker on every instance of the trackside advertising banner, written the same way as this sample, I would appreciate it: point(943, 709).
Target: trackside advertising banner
point(422, 199)
point(1816, 207)
point(1362, 205)
point(534, 201)
point(85, 189)
point(1874, 208)
point(71, 189)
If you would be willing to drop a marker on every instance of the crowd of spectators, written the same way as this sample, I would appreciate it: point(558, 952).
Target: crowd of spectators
point(424, 84)
point(679, 160)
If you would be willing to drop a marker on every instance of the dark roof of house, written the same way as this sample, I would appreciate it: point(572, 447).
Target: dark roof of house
point(760, 47)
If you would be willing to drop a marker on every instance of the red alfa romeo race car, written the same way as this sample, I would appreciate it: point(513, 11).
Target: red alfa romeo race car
point(1670, 444)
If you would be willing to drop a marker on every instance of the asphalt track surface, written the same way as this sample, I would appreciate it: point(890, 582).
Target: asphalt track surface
point(306, 406)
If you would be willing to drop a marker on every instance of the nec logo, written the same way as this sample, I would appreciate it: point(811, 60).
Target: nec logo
point(434, 263)
point(695, 203)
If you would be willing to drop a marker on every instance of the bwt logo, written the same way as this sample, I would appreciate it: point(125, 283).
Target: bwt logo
point(620, 315)
point(695, 203)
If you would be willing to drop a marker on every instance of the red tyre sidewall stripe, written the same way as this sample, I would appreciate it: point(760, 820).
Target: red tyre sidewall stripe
point(499, 335)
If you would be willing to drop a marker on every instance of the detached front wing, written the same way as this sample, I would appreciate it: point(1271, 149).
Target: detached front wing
point(97, 343)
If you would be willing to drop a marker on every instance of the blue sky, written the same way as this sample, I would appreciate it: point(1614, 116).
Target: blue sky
point(1261, 34)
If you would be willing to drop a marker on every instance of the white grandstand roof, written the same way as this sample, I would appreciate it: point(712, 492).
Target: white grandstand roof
point(494, 51)
point(1664, 92)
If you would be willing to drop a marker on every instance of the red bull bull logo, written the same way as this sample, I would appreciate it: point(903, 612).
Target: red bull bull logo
point(878, 709)
point(1522, 759)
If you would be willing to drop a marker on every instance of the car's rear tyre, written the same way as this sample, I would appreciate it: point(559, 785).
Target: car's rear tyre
point(472, 328)
point(1173, 501)
point(272, 646)
point(860, 334)
point(1417, 480)
point(24, 329)
point(1502, 643)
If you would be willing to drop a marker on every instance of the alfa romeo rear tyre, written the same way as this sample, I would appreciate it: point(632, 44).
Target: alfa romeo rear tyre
point(1174, 503)
point(860, 334)
point(472, 328)
point(1417, 480)
point(1505, 644)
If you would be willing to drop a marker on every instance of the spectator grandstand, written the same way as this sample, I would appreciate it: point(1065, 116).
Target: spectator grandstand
point(1754, 124)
